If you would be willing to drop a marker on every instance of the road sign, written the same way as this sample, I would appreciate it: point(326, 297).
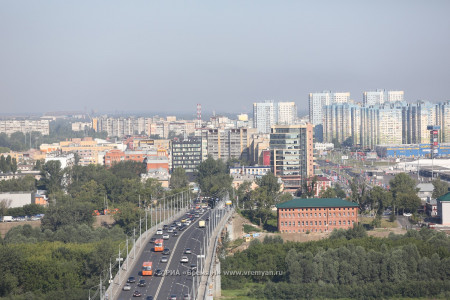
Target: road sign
point(201, 256)
point(119, 259)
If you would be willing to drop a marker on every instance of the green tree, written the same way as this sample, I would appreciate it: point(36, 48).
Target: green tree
point(213, 177)
point(440, 188)
point(61, 215)
point(178, 179)
point(404, 191)
point(328, 193)
point(52, 176)
point(378, 199)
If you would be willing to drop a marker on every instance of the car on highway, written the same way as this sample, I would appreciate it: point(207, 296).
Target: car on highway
point(188, 222)
point(164, 259)
point(172, 297)
point(165, 236)
point(407, 214)
point(127, 287)
point(170, 230)
point(152, 240)
point(165, 227)
point(197, 215)
point(207, 219)
point(166, 251)
point(193, 267)
point(159, 231)
point(178, 223)
point(181, 228)
point(187, 251)
point(175, 233)
point(159, 272)
point(186, 297)
point(137, 294)
point(184, 259)
point(131, 279)
point(149, 298)
point(142, 283)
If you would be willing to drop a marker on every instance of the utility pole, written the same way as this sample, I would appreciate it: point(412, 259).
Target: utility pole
point(134, 243)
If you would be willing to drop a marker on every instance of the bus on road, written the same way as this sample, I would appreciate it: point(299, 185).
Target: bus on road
point(159, 245)
point(147, 269)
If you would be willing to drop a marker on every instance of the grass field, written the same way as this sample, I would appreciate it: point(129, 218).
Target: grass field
point(384, 222)
point(240, 294)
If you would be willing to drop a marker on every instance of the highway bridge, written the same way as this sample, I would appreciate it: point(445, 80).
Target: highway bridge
point(180, 280)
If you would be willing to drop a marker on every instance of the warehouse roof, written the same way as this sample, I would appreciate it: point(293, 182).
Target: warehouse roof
point(316, 202)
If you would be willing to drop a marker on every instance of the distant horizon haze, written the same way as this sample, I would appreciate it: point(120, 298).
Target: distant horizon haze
point(168, 56)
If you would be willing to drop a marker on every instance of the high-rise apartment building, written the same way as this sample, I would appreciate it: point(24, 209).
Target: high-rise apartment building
point(226, 143)
point(379, 97)
point(292, 154)
point(264, 116)
point(316, 103)
point(269, 113)
point(187, 154)
point(286, 113)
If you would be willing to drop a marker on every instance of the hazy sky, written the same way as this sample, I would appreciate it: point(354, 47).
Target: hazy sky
point(155, 56)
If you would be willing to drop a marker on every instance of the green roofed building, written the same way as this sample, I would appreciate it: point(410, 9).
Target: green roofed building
point(443, 208)
point(316, 215)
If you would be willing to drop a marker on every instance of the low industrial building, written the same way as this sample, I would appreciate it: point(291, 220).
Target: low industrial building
point(316, 215)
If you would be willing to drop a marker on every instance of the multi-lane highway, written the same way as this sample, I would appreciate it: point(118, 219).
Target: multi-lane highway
point(177, 277)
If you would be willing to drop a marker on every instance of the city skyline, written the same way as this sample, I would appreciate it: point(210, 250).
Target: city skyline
point(122, 57)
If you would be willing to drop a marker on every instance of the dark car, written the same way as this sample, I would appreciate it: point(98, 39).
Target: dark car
point(175, 233)
point(181, 228)
point(149, 298)
point(166, 251)
point(131, 279)
point(193, 267)
point(207, 219)
point(152, 240)
point(137, 294)
point(165, 227)
point(142, 283)
point(159, 272)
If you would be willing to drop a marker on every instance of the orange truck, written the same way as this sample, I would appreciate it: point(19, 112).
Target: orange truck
point(147, 268)
point(159, 245)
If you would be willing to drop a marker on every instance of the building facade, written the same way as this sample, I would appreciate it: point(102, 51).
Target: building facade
point(292, 154)
point(379, 97)
point(316, 215)
point(25, 126)
point(187, 154)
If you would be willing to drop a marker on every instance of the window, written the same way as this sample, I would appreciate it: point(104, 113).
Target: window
point(290, 223)
point(320, 222)
point(298, 223)
point(339, 222)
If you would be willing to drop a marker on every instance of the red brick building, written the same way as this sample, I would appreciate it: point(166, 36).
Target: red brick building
point(321, 184)
point(316, 215)
point(155, 160)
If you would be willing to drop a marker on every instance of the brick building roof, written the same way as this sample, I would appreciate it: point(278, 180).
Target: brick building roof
point(316, 202)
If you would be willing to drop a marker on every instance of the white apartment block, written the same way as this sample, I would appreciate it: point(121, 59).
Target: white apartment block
point(25, 126)
point(264, 116)
point(379, 97)
point(269, 113)
point(287, 112)
point(81, 126)
point(318, 100)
